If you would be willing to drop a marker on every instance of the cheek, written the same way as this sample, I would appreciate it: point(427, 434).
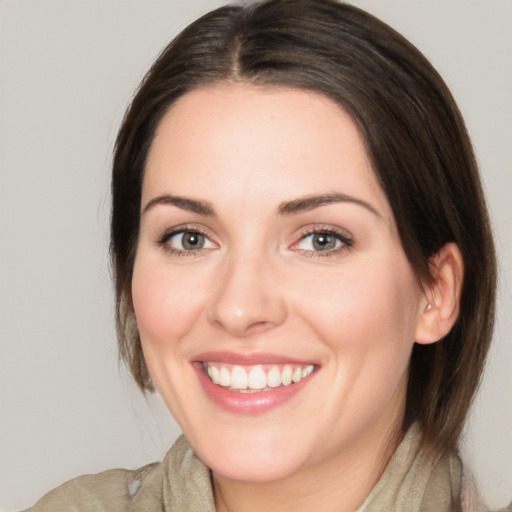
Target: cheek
point(166, 303)
point(366, 314)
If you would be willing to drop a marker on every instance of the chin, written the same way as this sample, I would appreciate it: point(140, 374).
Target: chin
point(264, 468)
point(258, 457)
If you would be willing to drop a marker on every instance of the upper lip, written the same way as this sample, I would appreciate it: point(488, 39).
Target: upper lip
point(249, 359)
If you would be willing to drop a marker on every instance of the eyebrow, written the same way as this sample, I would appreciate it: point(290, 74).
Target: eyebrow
point(306, 203)
point(295, 206)
point(185, 203)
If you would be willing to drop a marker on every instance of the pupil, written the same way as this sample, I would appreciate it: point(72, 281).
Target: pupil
point(193, 241)
point(324, 242)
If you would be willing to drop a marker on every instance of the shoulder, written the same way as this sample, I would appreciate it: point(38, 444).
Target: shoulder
point(113, 490)
point(180, 482)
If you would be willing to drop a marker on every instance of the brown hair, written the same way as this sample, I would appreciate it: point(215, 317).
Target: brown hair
point(416, 140)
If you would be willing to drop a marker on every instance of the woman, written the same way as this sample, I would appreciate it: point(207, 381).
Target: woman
point(293, 187)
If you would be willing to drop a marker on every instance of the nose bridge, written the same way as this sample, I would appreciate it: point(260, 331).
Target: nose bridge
point(247, 297)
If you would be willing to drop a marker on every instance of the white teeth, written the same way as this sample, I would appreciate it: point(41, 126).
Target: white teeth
point(286, 377)
point(257, 378)
point(240, 378)
point(297, 375)
point(214, 374)
point(274, 377)
point(225, 377)
point(307, 371)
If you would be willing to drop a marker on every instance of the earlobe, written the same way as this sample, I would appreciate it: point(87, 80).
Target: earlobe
point(440, 308)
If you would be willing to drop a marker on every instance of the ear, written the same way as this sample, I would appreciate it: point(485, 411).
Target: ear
point(439, 308)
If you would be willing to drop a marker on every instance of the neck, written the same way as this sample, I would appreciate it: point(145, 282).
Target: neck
point(339, 484)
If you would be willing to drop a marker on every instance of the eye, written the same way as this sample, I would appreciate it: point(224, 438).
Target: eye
point(320, 242)
point(186, 241)
point(326, 241)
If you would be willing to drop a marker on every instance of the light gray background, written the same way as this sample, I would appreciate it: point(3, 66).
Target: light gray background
point(68, 70)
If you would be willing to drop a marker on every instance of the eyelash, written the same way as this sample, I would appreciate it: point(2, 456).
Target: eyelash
point(340, 236)
point(166, 237)
point(343, 237)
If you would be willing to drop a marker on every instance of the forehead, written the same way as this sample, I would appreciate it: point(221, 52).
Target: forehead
point(249, 140)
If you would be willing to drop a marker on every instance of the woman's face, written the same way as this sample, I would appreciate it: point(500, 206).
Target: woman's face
point(269, 258)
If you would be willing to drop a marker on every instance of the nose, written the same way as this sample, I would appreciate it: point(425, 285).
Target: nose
point(247, 298)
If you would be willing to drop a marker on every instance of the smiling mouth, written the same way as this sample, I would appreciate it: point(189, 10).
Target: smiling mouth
point(258, 378)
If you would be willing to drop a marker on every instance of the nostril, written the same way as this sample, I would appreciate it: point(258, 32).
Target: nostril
point(243, 328)
point(257, 327)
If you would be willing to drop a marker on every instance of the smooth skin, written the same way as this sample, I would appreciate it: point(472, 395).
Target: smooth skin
point(248, 271)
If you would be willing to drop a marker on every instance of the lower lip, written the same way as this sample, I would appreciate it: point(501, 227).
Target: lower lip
point(249, 403)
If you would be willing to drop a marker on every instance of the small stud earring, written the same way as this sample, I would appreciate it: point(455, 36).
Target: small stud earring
point(429, 305)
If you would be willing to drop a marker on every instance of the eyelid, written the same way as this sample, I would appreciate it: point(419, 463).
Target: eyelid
point(168, 233)
point(185, 232)
point(163, 239)
point(341, 234)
